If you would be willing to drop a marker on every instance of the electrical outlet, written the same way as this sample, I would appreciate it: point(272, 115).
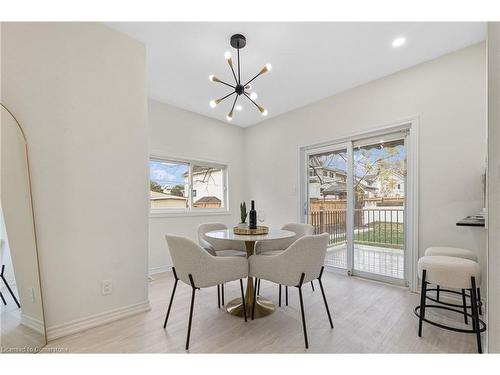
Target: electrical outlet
point(106, 287)
point(31, 293)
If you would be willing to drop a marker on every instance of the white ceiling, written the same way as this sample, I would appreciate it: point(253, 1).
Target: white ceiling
point(310, 61)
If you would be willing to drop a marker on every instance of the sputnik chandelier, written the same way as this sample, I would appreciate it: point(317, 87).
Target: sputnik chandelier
point(238, 41)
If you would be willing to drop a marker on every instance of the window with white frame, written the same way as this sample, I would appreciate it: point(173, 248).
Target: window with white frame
point(186, 185)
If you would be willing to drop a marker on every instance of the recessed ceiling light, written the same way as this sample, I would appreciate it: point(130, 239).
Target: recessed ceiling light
point(398, 42)
point(238, 107)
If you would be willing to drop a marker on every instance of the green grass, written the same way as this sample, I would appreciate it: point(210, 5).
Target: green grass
point(380, 234)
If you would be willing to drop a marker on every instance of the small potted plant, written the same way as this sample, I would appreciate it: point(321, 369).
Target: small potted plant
point(244, 214)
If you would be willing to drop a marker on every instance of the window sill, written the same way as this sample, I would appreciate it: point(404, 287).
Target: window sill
point(166, 214)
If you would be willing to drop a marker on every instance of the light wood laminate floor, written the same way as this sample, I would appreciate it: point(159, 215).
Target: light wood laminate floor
point(369, 317)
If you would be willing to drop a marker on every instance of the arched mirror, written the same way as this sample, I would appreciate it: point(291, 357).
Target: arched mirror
point(22, 320)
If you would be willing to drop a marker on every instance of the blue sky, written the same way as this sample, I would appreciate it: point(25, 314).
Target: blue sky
point(165, 173)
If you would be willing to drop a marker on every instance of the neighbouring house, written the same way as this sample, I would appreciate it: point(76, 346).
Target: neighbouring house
point(162, 200)
point(207, 202)
point(208, 186)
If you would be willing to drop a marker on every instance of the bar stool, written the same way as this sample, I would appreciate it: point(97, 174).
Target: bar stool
point(457, 253)
point(453, 273)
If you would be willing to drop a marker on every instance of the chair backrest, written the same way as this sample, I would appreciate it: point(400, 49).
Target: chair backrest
point(306, 255)
point(187, 257)
point(216, 243)
point(300, 230)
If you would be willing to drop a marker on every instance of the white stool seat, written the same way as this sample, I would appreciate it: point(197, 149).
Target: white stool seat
point(451, 252)
point(449, 272)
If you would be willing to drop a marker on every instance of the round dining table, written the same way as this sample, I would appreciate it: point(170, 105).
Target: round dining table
point(263, 307)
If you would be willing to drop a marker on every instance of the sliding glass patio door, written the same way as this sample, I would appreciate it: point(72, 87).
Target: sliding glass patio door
point(356, 193)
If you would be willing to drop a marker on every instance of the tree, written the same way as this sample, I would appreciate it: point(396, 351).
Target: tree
point(177, 190)
point(155, 186)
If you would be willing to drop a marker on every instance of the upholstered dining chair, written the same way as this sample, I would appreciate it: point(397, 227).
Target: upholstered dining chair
point(221, 248)
point(277, 246)
point(197, 268)
point(298, 264)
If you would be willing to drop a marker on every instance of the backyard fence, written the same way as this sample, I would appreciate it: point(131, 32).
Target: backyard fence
point(378, 227)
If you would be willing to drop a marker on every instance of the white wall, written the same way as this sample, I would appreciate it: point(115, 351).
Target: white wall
point(79, 91)
point(449, 97)
point(177, 133)
point(494, 187)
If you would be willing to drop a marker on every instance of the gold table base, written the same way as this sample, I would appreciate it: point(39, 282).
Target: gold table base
point(263, 307)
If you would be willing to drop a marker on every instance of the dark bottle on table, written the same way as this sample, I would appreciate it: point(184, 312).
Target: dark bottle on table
point(252, 217)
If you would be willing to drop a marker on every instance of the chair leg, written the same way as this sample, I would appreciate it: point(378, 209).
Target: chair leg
point(222, 290)
point(286, 295)
point(302, 311)
point(324, 297)
point(437, 292)
point(312, 285)
point(258, 287)
point(3, 299)
point(190, 311)
point(254, 299)
point(475, 316)
point(171, 299)
point(464, 302)
point(279, 295)
point(218, 295)
point(480, 308)
point(243, 299)
point(8, 287)
point(423, 293)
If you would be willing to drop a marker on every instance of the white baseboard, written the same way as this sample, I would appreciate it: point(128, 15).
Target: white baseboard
point(92, 321)
point(34, 324)
point(161, 269)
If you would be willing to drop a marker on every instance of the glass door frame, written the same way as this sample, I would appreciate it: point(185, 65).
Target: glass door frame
point(409, 131)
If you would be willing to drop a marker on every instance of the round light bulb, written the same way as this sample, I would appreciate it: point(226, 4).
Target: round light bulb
point(227, 55)
point(398, 42)
point(269, 67)
point(229, 118)
point(213, 104)
point(211, 77)
point(264, 112)
point(253, 95)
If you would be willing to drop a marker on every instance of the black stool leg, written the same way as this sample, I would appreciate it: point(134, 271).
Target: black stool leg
point(437, 292)
point(254, 299)
point(3, 299)
point(302, 310)
point(423, 294)
point(218, 295)
point(8, 287)
point(312, 285)
point(222, 290)
point(286, 295)
point(171, 298)
point(324, 297)
point(475, 317)
point(258, 287)
point(243, 299)
point(479, 301)
point(279, 295)
point(464, 302)
point(190, 311)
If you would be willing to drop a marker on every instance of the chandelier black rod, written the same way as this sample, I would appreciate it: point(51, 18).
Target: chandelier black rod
point(258, 74)
point(227, 96)
point(251, 100)
point(234, 74)
point(225, 83)
point(239, 75)
point(234, 103)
